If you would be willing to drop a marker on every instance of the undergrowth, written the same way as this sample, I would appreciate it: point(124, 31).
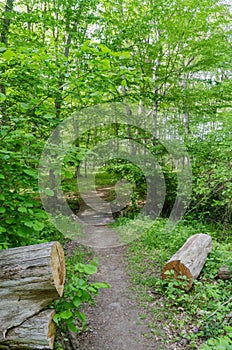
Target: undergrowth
point(79, 290)
point(199, 319)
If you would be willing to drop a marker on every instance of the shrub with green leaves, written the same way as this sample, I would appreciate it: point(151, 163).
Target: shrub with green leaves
point(78, 290)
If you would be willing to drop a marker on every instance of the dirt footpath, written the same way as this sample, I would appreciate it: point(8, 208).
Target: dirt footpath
point(115, 323)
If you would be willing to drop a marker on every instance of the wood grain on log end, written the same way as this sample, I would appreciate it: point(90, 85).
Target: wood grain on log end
point(179, 271)
point(58, 267)
point(190, 258)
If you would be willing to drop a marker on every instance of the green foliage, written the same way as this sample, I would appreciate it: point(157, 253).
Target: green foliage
point(126, 170)
point(78, 291)
point(222, 343)
point(212, 174)
point(57, 58)
point(23, 221)
point(121, 169)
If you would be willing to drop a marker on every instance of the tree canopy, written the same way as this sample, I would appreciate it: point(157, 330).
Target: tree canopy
point(170, 58)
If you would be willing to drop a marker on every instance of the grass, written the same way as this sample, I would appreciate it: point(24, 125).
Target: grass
point(188, 319)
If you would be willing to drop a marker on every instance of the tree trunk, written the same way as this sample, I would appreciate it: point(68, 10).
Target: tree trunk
point(190, 259)
point(4, 39)
point(6, 21)
point(38, 332)
point(31, 277)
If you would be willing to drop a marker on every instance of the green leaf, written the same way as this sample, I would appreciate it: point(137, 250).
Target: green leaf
point(82, 317)
point(104, 48)
point(2, 176)
point(24, 106)
point(29, 204)
point(68, 174)
point(125, 54)
point(38, 226)
point(28, 223)
point(72, 327)
point(89, 269)
point(41, 214)
point(2, 210)
point(2, 97)
point(22, 210)
point(66, 314)
point(31, 173)
point(49, 192)
point(8, 54)
point(56, 318)
point(2, 229)
point(2, 197)
point(77, 302)
point(99, 285)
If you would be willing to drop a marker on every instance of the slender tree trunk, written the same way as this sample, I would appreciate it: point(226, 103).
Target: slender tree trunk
point(152, 178)
point(129, 115)
point(6, 21)
point(155, 119)
point(87, 145)
point(155, 105)
point(185, 109)
point(4, 39)
point(156, 95)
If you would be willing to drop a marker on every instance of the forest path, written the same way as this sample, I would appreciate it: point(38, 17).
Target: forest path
point(116, 322)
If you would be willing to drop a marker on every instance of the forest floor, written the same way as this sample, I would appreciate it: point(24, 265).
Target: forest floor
point(134, 313)
point(117, 321)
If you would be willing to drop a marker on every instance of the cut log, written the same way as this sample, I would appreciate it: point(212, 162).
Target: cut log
point(38, 332)
point(31, 277)
point(190, 258)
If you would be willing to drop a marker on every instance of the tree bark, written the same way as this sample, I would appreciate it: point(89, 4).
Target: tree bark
point(190, 258)
point(38, 332)
point(31, 277)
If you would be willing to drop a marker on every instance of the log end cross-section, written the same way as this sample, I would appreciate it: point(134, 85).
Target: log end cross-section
point(190, 258)
point(58, 267)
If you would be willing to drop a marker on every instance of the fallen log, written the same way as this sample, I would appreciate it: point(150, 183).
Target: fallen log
point(190, 258)
point(31, 277)
point(38, 332)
